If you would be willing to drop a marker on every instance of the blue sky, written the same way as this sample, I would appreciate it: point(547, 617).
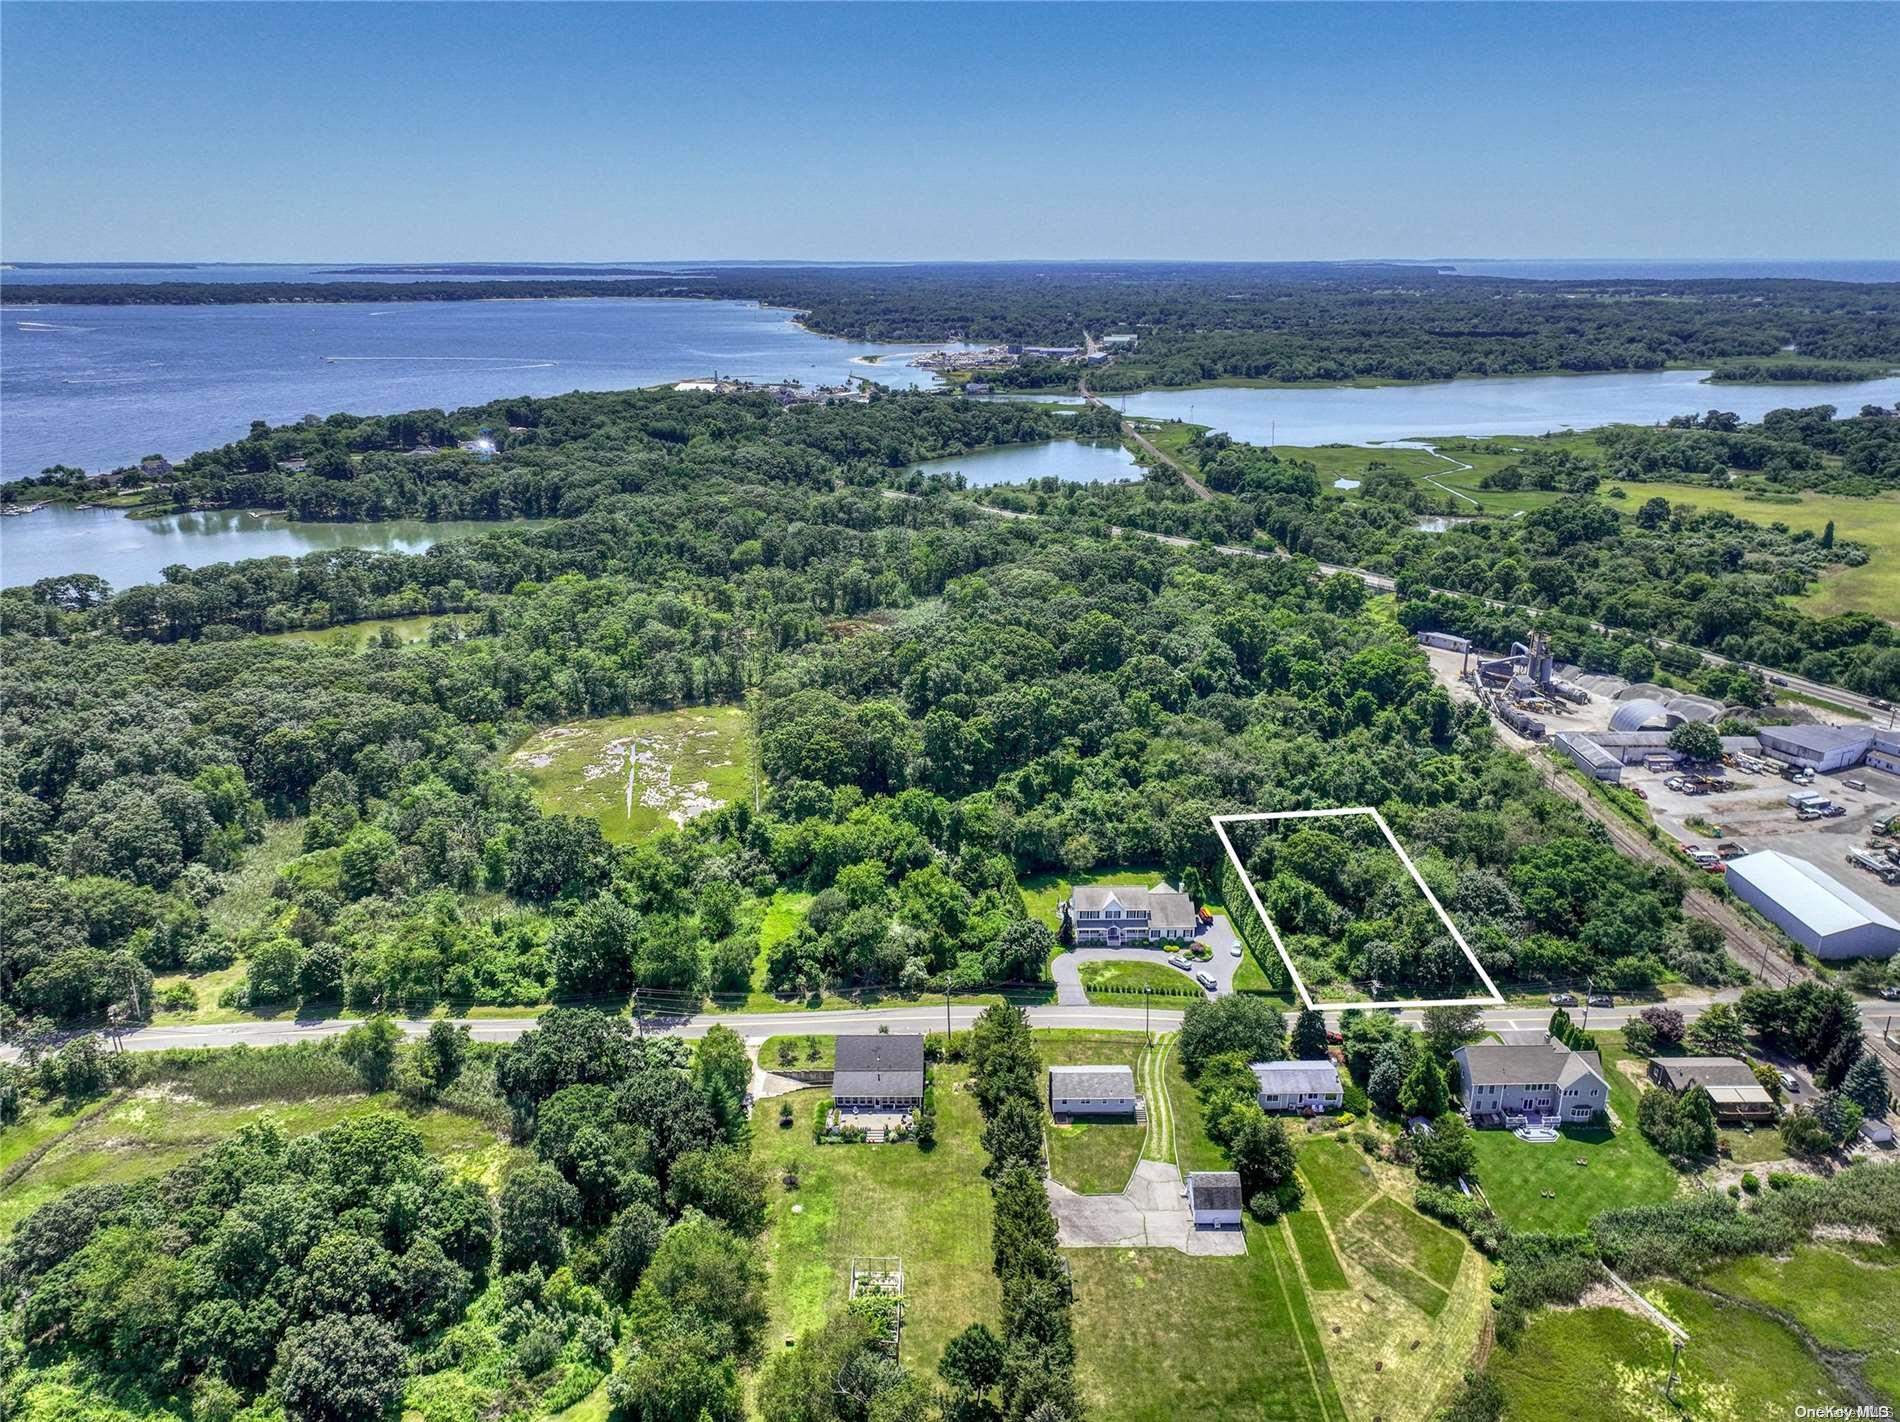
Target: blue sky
point(512, 132)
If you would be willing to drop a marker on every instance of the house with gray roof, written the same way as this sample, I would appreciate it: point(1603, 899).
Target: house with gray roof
point(1310, 1087)
point(1214, 1199)
point(1546, 1084)
point(879, 1072)
point(1114, 914)
point(1730, 1082)
point(1091, 1091)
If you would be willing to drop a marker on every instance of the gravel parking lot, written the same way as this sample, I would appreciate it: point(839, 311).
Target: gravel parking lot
point(1756, 815)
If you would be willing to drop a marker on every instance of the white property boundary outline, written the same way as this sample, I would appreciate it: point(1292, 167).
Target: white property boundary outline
point(1496, 999)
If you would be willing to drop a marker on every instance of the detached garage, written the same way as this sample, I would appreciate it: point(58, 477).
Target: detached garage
point(1817, 911)
point(1091, 1091)
point(1214, 1199)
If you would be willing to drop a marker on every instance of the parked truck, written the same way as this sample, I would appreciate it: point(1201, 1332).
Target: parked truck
point(1878, 865)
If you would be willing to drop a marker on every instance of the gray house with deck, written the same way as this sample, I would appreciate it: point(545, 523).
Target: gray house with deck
point(1542, 1085)
point(879, 1072)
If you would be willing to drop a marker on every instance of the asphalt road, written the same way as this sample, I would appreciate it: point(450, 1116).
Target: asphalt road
point(765, 1024)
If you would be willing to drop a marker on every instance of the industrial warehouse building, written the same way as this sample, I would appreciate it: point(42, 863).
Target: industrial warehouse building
point(1826, 748)
point(1823, 915)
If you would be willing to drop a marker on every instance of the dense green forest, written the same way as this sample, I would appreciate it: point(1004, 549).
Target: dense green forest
point(944, 701)
point(557, 458)
point(1648, 571)
point(1219, 320)
point(1813, 447)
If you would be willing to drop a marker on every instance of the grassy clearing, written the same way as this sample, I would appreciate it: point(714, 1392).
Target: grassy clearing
point(1043, 893)
point(40, 1124)
point(1875, 522)
point(1622, 1168)
point(932, 1209)
point(1093, 1157)
point(1873, 587)
point(1607, 1365)
point(1835, 1297)
point(1254, 1349)
point(639, 774)
point(1410, 1299)
point(247, 889)
point(809, 1052)
point(360, 636)
point(158, 1128)
point(1339, 1174)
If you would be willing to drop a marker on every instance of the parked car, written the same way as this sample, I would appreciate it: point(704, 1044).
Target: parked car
point(1890, 994)
point(1181, 963)
point(1234, 952)
point(1788, 1082)
point(1334, 1038)
point(1834, 812)
point(1778, 680)
point(1206, 980)
point(1641, 793)
point(1563, 999)
point(1855, 784)
point(1602, 999)
point(1807, 812)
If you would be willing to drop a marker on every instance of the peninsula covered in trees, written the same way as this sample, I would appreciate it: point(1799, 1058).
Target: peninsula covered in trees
point(1209, 321)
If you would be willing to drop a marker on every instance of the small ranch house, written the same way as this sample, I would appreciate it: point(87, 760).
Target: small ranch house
point(1214, 1199)
point(1299, 1086)
point(1091, 1091)
point(1729, 1081)
point(879, 1072)
point(1504, 1085)
point(1115, 914)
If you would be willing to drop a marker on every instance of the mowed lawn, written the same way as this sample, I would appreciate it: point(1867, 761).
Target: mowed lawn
point(1608, 1365)
point(1400, 1300)
point(1043, 893)
point(1118, 982)
point(1167, 1338)
point(1621, 1168)
point(1093, 1157)
point(929, 1208)
point(639, 774)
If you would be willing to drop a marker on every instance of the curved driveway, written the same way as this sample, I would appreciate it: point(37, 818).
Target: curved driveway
point(1067, 968)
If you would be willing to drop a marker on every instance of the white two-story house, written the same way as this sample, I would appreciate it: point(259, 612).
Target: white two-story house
point(1114, 914)
point(1547, 1084)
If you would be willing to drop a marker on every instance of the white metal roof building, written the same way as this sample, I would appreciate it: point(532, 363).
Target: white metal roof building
point(1823, 915)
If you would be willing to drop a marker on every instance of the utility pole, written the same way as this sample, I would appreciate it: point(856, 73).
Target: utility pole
point(948, 1031)
point(1147, 1002)
point(638, 1023)
point(1675, 1368)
